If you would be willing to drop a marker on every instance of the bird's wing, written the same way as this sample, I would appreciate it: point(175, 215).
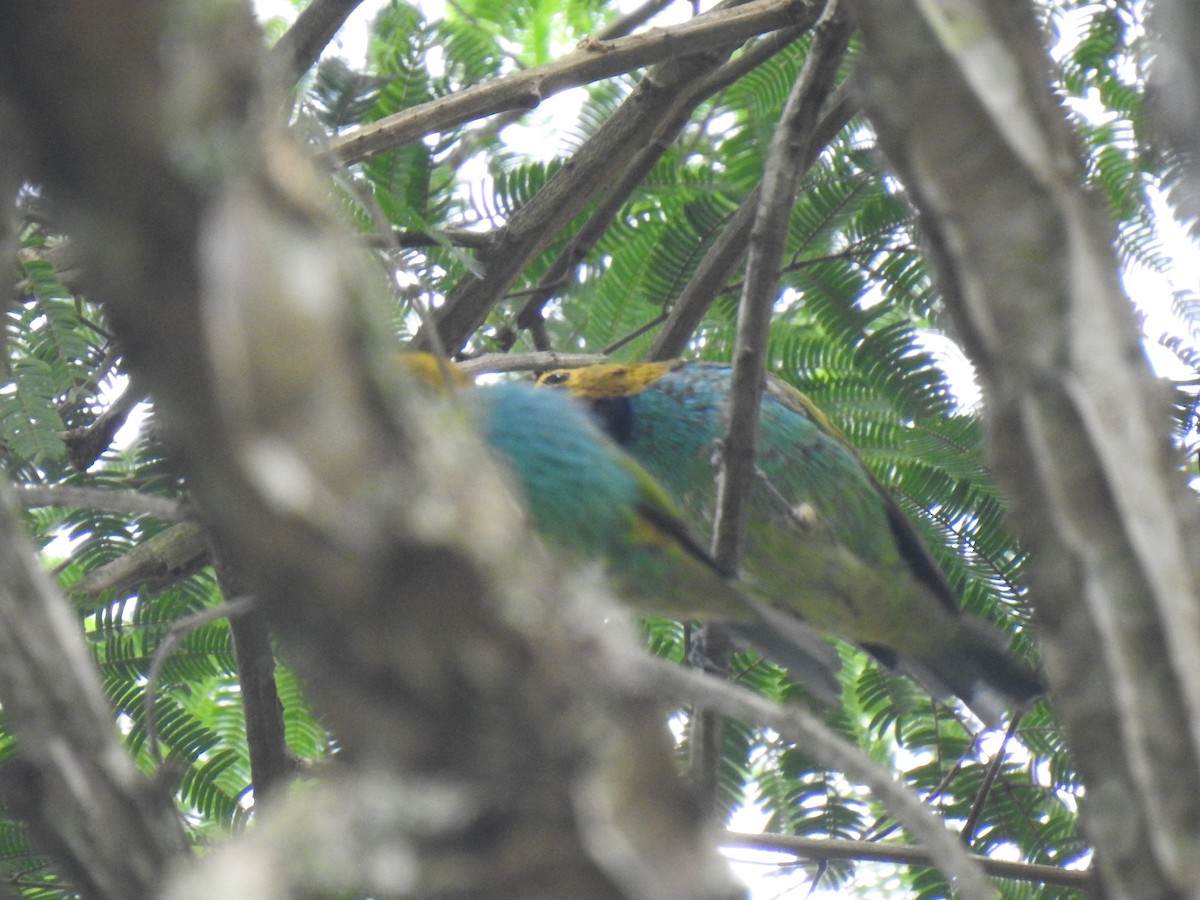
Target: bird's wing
point(909, 542)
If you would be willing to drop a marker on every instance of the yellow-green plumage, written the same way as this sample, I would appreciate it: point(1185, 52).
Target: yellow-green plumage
point(824, 539)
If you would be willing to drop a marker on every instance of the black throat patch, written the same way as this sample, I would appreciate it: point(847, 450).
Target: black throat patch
point(616, 417)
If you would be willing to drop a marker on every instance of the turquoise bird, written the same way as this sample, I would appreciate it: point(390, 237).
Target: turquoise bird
point(824, 541)
point(589, 498)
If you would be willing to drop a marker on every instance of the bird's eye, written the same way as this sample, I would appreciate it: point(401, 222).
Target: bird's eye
point(553, 378)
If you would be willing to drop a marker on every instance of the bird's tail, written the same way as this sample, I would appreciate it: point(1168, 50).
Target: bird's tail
point(788, 642)
point(977, 668)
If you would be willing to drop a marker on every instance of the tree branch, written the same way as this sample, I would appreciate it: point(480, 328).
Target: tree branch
point(85, 445)
point(596, 60)
point(526, 362)
point(905, 855)
point(271, 765)
point(780, 179)
point(126, 502)
point(569, 190)
point(681, 686)
point(457, 237)
point(1175, 95)
point(789, 149)
point(440, 642)
point(615, 197)
point(156, 562)
point(303, 43)
point(785, 160)
point(72, 781)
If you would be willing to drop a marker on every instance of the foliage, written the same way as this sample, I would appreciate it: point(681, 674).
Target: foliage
point(857, 327)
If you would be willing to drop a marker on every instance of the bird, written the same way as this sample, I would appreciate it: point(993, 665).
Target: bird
point(591, 500)
point(825, 541)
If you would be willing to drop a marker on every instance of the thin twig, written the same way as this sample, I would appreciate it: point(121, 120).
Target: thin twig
point(179, 629)
point(384, 231)
point(125, 502)
point(528, 362)
point(545, 286)
point(989, 779)
point(884, 825)
point(635, 334)
point(824, 849)
point(785, 161)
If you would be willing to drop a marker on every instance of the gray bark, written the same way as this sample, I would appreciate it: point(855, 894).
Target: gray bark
point(958, 91)
point(483, 751)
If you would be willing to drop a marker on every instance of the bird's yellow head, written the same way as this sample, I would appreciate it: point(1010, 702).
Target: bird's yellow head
point(437, 373)
point(608, 379)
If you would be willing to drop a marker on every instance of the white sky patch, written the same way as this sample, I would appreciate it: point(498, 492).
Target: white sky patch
point(1154, 293)
point(958, 368)
point(61, 547)
point(531, 136)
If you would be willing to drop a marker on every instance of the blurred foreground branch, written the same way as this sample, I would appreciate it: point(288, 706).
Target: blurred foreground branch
point(440, 645)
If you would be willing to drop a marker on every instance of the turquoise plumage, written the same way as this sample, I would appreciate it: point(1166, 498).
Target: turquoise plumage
point(589, 498)
point(825, 541)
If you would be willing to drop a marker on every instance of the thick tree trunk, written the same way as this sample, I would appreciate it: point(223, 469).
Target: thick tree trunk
point(958, 92)
point(487, 751)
